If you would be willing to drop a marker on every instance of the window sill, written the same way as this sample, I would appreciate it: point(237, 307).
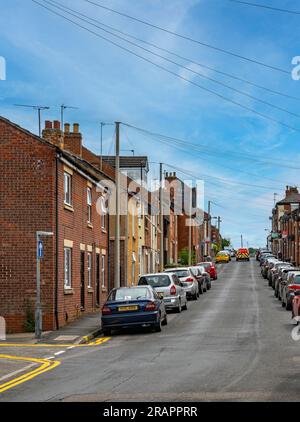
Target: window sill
point(90, 290)
point(68, 291)
point(90, 225)
point(104, 289)
point(68, 207)
point(104, 230)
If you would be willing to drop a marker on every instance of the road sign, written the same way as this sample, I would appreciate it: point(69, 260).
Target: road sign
point(40, 249)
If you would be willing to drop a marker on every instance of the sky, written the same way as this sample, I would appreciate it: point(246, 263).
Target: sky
point(242, 157)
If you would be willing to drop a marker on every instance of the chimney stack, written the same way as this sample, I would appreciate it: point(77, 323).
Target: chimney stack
point(53, 134)
point(73, 140)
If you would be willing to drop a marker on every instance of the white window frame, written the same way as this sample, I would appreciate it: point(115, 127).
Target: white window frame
point(67, 189)
point(89, 204)
point(103, 214)
point(89, 270)
point(67, 268)
point(103, 271)
point(133, 269)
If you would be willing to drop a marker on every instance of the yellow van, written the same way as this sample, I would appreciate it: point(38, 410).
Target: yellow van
point(222, 256)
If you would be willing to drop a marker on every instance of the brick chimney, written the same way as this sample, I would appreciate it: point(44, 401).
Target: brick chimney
point(53, 133)
point(290, 190)
point(73, 140)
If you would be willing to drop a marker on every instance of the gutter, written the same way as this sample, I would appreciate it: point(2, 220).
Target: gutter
point(56, 244)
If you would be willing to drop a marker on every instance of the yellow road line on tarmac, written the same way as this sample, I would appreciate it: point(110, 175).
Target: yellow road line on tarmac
point(45, 366)
point(93, 343)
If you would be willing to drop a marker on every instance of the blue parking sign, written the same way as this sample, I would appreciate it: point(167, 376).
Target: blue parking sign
point(40, 250)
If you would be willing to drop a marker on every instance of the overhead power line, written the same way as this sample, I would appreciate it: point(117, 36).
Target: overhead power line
point(201, 75)
point(188, 38)
point(264, 6)
point(206, 150)
point(190, 61)
point(170, 71)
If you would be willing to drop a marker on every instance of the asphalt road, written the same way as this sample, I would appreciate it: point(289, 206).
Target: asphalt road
point(233, 344)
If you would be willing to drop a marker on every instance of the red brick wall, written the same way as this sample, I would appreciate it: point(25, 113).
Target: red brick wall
point(26, 205)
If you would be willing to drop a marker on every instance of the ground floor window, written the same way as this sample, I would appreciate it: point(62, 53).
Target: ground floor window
point(68, 268)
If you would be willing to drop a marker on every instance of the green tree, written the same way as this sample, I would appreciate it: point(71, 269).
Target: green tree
point(184, 257)
point(225, 243)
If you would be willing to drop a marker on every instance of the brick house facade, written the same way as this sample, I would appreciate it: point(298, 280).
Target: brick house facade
point(36, 173)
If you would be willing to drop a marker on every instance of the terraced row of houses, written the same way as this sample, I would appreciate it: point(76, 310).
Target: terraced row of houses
point(55, 184)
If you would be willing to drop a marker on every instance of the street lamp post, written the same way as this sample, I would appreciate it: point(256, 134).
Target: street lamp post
point(38, 307)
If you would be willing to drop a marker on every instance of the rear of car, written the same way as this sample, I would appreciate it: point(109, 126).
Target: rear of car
point(210, 268)
point(205, 275)
point(292, 285)
point(188, 281)
point(137, 306)
point(242, 254)
point(222, 257)
point(168, 287)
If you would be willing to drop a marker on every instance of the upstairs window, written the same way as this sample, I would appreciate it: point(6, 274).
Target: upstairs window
point(89, 205)
point(68, 189)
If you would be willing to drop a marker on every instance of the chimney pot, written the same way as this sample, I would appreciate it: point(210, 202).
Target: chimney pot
point(67, 127)
point(56, 124)
point(48, 124)
point(75, 128)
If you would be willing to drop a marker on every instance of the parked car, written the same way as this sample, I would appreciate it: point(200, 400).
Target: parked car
point(296, 305)
point(282, 269)
point(289, 288)
point(271, 270)
point(265, 266)
point(261, 251)
point(205, 278)
point(222, 256)
point(198, 275)
point(210, 268)
point(138, 306)
point(242, 254)
point(264, 257)
point(188, 280)
point(168, 287)
point(283, 280)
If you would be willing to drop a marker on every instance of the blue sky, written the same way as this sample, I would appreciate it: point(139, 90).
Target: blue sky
point(50, 62)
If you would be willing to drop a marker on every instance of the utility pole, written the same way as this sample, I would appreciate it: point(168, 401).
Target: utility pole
point(208, 227)
point(242, 243)
point(117, 228)
point(38, 306)
point(219, 224)
point(190, 228)
point(161, 217)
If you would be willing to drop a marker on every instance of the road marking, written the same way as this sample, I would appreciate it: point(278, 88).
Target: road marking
point(12, 374)
point(59, 353)
point(61, 346)
point(45, 366)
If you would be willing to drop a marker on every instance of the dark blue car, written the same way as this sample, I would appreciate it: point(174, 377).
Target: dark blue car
point(138, 306)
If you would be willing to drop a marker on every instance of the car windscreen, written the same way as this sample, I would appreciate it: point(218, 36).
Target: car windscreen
point(130, 294)
point(296, 279)
point(160, 280)
point(181, 273)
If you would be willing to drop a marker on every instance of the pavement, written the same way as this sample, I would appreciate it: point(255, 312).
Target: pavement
point(79, 331)
point(233, 344)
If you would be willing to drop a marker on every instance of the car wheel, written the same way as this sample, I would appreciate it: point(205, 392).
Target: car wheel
point(185, 307)
point(276, 293)
point(288, 306)
point(202, 290)
point(283, 304)
point(179, 308)
point(195, 297)
point(157, 326)
point(269, 283)
point(165, 321)
point(106, 332)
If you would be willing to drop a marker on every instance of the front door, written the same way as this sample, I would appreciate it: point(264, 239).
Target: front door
point(82, 286)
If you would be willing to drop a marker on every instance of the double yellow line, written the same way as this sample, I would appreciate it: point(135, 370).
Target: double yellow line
point(45, 366)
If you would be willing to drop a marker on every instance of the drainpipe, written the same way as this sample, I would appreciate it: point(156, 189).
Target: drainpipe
point(56, 243)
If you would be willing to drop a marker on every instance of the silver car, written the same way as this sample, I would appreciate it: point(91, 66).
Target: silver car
point(168, 287)
point(188, 280)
